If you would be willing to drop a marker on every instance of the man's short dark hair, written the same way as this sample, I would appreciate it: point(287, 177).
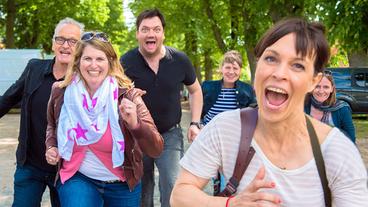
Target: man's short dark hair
point(150, 13)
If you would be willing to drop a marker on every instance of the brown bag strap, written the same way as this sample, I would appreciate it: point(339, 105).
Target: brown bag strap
point(319, 162)
point(248, 117)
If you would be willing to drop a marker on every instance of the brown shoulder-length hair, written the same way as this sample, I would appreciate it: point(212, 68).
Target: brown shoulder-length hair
point(115, 68)
point(331, 100)
point(310, 40)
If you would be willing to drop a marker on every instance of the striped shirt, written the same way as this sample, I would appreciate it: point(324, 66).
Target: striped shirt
point(226, 101)
point(216, 148)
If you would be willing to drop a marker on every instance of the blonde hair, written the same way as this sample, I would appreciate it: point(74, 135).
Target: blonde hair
point(231, 57)
point(115, 68)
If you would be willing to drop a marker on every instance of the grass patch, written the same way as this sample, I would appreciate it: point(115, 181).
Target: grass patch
point(361, 126)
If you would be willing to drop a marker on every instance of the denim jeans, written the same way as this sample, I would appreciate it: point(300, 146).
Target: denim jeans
point(168, 168)
point(82, 191)
point(30, 184)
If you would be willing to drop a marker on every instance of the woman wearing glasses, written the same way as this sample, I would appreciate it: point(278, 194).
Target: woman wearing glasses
point(98, 127)
point(321, 104)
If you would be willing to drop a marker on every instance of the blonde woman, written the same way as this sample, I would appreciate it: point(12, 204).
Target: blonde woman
point(98, 127)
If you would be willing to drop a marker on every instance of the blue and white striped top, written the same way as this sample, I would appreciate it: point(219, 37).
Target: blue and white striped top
point(226, 101)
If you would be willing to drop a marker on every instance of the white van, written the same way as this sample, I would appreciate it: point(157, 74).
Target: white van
point(12, 64)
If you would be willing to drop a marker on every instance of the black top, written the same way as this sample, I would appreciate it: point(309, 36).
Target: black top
point(36, 147)
point(24, 90)
point(163, 89)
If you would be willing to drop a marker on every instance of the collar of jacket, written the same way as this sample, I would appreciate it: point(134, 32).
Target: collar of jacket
point(50, 66)
point(235, 83)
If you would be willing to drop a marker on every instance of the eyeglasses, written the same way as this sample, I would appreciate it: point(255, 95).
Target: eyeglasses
point(61, 40)
point(98, 35)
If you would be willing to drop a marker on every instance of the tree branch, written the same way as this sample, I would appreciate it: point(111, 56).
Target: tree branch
point(215, 28)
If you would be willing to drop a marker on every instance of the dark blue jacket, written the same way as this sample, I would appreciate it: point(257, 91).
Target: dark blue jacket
point(341, 118)
point(22, 90)
point(211, 89)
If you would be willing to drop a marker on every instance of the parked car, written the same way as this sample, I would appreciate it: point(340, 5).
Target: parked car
point(352, 87)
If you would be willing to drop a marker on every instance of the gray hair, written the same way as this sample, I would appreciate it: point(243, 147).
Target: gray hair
point(66, 21)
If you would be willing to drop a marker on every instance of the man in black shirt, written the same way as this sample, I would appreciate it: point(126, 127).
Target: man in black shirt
point(161, 71)
point(33, 89)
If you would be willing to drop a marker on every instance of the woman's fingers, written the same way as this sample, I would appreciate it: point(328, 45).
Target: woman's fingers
point(127, 107)
point(253, 194)
point(265, 197)
point(128, 111)
point(261, 173)
point(259, 181)
point(255, 199)
point(52, 156)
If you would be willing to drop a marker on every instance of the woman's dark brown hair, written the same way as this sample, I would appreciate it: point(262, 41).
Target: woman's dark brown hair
point(310, 40)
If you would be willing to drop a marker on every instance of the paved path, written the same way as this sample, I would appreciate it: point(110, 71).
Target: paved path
point(9, 129)
point(9, 125)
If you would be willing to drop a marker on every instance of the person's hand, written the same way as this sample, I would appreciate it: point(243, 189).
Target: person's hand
point(128, 111)
point(52, 156)
point(193, 131)
point(251, 196)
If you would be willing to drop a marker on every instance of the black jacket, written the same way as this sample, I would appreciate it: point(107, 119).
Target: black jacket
point(22, 90)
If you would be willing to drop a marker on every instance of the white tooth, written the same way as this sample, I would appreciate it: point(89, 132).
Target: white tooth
point(277, 90)
point(94, 73)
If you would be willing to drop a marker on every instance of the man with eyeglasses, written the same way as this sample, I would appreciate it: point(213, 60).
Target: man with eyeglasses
point(33, 89)
point(161, 71)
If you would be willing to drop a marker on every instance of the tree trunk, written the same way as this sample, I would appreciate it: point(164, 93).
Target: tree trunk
point(358, 58)
point(208, 65)
point(215, 28)
point(191, 48)
point(252, 62)
point(235, 18)
point(10, 19)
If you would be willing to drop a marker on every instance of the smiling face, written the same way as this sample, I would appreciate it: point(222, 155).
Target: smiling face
point(94, 67)
point(150, 36)
point(64, 52)
point(230, 73)
point(282, 80)
point(323, 90)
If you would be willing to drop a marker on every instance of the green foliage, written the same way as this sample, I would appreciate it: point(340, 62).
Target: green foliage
point(36, 19)
point(340, 59)
point(204, 29)
point(347, 23)
point(2, 20)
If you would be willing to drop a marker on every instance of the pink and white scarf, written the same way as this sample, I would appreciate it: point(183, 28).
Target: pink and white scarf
point(84, 120)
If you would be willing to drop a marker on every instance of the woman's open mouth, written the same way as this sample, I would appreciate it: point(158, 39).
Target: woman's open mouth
point(276, 97)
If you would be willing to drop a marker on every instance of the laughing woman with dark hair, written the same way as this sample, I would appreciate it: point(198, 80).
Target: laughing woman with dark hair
point(286, 167)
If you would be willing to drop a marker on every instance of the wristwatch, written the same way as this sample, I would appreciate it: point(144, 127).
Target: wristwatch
point(197, 124)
